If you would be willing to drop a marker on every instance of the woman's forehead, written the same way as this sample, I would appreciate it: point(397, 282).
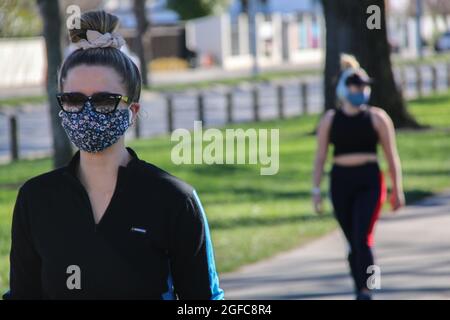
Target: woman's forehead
point(91, 79)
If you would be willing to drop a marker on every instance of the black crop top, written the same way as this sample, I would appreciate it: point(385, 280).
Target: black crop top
point(353, 134)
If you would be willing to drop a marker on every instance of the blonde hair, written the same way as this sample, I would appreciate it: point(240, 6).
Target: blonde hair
point(348, 61)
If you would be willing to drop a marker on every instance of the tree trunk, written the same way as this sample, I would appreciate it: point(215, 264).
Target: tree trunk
point(446, 20)
point(141, 28)
point(62, 149)
point(347, 32)
point(244, 6)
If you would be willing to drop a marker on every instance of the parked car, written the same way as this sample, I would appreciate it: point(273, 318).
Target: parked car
point(442, 42)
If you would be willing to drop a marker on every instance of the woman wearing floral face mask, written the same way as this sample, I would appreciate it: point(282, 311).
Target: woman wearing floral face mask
point(357, 186)
point(108, 225)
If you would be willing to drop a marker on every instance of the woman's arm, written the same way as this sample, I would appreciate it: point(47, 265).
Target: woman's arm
point(386, 133)
point(25, 263)
point(192, 256)
point(321, 156)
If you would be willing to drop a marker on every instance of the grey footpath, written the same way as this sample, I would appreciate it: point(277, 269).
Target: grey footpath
point(412, 249)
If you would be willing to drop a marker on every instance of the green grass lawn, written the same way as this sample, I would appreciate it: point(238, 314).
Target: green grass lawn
point(251, 216)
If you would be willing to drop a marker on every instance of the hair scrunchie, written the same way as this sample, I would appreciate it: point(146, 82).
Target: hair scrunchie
point(96, 39)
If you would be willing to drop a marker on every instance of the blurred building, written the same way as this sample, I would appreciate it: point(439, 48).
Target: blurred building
point(402, 26)
point(286, 32)
point(157, 12)
point(166, 35)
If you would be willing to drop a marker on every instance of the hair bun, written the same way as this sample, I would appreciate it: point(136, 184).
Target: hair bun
point(97, 31)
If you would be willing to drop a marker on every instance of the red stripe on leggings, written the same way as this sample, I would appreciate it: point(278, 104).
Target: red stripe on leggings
point(377, 211)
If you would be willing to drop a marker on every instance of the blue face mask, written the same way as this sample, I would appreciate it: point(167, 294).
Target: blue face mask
point(358, 99)
point(92, 131)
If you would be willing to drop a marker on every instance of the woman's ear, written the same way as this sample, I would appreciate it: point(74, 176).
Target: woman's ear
point(134, 108)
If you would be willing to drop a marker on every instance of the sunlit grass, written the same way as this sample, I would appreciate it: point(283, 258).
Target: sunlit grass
point(252, 216)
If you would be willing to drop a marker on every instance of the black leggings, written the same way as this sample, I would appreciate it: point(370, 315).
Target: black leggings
point(357, 193)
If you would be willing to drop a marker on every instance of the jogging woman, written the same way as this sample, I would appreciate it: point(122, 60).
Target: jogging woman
point(357, 186)
point(108, 225)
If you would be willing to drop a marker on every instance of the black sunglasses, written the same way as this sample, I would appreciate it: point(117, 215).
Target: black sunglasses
point(101, 102)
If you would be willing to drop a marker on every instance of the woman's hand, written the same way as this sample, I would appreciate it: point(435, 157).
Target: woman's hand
point(397, 200)
point(317, 202)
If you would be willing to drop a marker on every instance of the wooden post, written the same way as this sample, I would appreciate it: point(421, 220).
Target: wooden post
point(137, 127)
point(448, 75)
point(304, 96)
point(169, 99)
point(255, 95)
point(14, 137)
point(403, 79)
point(280, 95)
point(201, 107)
point(418, 81)
point(229, 105)
point(434, 78)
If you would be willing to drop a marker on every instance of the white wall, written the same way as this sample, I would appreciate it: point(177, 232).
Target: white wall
point(400, 27)
point(212, 35)
point(205, 36)
point(275, 26)
point(22, 62)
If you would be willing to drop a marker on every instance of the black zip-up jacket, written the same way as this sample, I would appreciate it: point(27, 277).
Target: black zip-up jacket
point(153, 241)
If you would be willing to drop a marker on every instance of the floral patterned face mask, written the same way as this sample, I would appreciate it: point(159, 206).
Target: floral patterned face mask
point(92, 131)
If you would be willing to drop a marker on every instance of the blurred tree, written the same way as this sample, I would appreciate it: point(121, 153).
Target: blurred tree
point(142, 25)
point(244, 6)
point(347, 32)
point(19, 18)
point(191, 9)
point(51, 30)
point(440, 8)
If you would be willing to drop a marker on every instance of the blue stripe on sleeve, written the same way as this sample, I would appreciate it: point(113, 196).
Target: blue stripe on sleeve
point(170, 294)
point(216, 292)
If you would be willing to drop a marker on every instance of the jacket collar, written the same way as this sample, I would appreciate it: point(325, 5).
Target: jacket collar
point(72, 166)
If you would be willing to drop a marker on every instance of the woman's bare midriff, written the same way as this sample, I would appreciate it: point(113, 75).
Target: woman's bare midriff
point(355, 159)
